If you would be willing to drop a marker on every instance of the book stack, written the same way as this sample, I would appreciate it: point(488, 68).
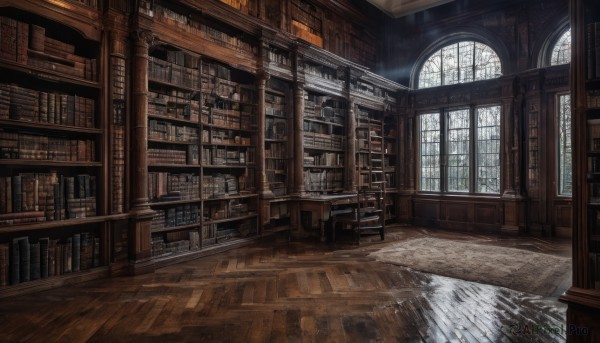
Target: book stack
point(33, 197)
point(168, 156)
point(24, 259)
point(24, 104)
point(162, 184)
point(169, 132)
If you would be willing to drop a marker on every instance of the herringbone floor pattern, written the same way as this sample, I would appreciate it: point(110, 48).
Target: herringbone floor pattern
point(277, 291)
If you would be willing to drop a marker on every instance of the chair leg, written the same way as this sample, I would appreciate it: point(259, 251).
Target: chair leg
point(382, 233)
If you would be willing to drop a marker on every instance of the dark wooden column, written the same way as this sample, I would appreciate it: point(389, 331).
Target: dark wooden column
point(263, 182)
point(351, 147)
point(512, 196)
point(298, 138)
point(141, 212)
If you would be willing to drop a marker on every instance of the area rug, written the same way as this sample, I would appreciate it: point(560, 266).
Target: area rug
point(512, 268)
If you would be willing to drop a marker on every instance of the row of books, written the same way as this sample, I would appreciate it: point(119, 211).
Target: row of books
point(318, 180)
point(222, 185)
point(22, 260)
point(170, 132)
point(322, 72)
point(185, 155)
point(14, 40)
point(277, 166)
point(174, 104)
point(593, 50)
point(230, 119)
point(176, 242)
point(20, 103)
point(323, 141)
point(28, 44)
point(31, 197)
point(220, 156)
point(331, 159)
point(118, 158)
point(164, 186)
point(368, 89)
point(308, 15)
point(15, 145)
point(280, 58)
point(175, 216)
point(233, 208)
point(162, 70)
point(276, 150)
point(274, 100)
point(224, 137)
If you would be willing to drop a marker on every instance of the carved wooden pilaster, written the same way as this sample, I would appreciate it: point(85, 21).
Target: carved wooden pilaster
point(513, 201)
point(263, 182)
point(351, 148)
point(141, 43)
point(142, 214)
point(298, 138)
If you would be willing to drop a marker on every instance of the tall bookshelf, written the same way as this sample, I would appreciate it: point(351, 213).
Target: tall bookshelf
point(277, 135)
point(52, 213)
point(584, 296)
point(324, 142)
point(173, 149)
point(369, 147)
point(228, 153)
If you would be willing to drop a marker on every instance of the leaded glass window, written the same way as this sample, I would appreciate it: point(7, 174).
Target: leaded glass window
point(565, 163)
point(458, 150)
point(460, 62)
point(430, 152)
point(468, 141)
point(488, 149)
point(561, 52)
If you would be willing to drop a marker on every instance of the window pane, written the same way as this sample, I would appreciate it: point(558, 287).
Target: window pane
point(458, 150)
point(430, 152)
point(565, 165)
point(561, 53)
point(431, 73)
point(488, 149)
point(486, 63)
point(465, 61)
point(460, 62)
point(450, 64)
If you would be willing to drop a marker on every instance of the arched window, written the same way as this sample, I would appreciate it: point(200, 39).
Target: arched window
point(461, 62)
point(561, 52)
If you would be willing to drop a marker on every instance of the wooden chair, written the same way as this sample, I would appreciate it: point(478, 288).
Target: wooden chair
point(366, 216)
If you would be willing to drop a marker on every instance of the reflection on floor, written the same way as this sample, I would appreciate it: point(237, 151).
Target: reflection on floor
point(277, 291)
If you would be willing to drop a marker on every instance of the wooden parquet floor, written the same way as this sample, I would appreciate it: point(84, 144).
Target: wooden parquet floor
point(277, 291)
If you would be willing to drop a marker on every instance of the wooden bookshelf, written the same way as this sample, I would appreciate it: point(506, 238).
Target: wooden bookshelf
point(584, 296)
point(52, 218)
point(324, 142)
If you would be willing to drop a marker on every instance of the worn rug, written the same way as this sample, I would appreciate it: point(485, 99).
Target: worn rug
point(512, 268)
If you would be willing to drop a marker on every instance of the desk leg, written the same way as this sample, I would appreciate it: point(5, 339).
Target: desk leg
point(322, 227)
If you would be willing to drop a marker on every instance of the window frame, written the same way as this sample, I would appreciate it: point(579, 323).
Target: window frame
point(473, 166)
point(456, 43)
point(558, 146)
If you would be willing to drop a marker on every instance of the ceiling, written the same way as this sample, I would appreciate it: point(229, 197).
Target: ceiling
point(400, 8)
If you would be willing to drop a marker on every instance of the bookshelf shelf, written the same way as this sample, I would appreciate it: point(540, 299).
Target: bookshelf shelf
point(171, 84)
point(175, 202)
point(308, 119)
point(49, 163)
point(231, 197)
point(176, 228)
point(47, 75)
point(57, 224)
point(173, 119)
point(160, 141)
point(49, 127)
point(232, 219)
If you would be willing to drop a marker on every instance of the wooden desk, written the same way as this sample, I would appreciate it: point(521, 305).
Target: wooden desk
point(320, 208)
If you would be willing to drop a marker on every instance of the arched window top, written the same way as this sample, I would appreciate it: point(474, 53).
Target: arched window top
point(465, 61)
point(561, 51)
